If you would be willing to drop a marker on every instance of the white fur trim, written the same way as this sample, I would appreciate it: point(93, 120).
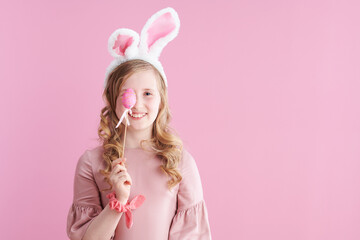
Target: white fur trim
point(116, 62)
point(139, 49)
point(132, 50)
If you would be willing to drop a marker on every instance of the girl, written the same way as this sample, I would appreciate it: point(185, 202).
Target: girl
point(156, 191)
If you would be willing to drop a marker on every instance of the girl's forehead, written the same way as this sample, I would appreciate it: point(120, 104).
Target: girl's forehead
point(141, 80)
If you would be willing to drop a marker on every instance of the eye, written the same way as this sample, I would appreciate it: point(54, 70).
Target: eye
point(147, 93)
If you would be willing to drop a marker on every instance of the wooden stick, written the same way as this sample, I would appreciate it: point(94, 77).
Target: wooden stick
point(123, 151)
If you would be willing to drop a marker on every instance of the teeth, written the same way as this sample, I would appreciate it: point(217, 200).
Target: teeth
point(137, 115)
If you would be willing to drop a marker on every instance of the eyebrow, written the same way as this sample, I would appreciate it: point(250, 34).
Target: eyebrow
point(144, 89)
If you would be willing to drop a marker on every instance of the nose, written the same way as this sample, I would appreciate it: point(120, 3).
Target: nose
point(138, 103)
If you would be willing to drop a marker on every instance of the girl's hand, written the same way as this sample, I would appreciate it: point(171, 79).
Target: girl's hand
point(120, 180)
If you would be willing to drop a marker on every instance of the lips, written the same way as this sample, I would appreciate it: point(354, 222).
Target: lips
point(133, 112)
point(135, 115)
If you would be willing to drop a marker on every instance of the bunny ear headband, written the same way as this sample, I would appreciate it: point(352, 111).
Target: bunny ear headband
point(125, 44)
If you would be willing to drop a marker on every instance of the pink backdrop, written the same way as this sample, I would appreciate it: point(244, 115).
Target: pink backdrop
point(271, 115)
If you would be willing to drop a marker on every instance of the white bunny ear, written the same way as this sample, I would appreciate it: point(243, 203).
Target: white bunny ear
point(159, 30)
point(123, 43)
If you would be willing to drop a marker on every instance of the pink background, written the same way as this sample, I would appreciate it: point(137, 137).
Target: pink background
point(265, 95)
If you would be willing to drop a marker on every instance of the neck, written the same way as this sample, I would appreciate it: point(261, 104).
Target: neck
point(134, 137)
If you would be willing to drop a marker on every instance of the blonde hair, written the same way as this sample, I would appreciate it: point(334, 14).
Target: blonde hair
point(166, 145)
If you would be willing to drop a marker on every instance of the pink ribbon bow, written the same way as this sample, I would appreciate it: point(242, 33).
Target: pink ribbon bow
point(135, 203)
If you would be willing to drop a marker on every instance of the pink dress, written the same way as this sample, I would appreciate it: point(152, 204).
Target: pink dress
point(180, 214)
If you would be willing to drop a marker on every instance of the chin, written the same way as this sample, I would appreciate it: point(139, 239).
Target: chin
point(133, 127)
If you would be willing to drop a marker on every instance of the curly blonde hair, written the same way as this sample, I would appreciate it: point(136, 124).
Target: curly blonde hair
point(166, 145)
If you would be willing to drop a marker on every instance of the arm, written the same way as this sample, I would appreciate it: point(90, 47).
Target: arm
point(191, 218)
point(86, 219)
point(104, 225)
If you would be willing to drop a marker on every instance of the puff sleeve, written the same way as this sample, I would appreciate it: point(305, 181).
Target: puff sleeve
point(86, 203)
point(191, 218)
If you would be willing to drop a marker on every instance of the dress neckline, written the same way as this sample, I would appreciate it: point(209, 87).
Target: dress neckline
point(139, 149)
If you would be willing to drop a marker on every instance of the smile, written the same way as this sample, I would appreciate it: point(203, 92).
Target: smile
point(137, 115)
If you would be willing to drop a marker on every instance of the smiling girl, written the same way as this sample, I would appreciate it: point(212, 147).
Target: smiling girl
point(109, 191)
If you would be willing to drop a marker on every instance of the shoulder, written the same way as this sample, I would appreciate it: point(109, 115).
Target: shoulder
point(190, 188)
point(187, 162)
point(188, 168)
point(186, 154)
point(89, 160)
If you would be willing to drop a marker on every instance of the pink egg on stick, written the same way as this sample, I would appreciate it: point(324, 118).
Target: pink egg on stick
point(128, 99)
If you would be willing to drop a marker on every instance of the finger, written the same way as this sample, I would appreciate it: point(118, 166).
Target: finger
point(123, 160)
point(124, 180)
point(115, 176)
point(128, 178)
point(118, 161)
point(123, 177)
point(119, 168)
point(127, 182)
point(120, 174)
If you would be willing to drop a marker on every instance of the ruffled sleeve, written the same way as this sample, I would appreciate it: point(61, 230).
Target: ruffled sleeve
point(191, 218)
point(86, 203)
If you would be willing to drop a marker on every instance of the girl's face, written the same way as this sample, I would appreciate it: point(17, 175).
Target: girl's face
point(148, 100)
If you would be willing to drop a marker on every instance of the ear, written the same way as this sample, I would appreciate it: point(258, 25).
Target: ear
point(123, 42)
point(159, 30)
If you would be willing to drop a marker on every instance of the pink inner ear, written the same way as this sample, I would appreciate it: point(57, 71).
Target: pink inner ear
point(161, 27)
point(122, 43)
